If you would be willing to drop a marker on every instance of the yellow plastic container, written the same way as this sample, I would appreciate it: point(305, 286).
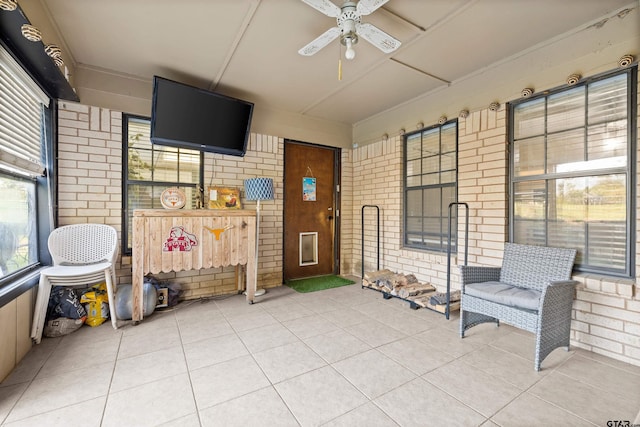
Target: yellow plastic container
point(96, 303)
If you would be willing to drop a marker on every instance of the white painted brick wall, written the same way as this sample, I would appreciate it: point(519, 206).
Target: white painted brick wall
point(90, 190)
point(606, 312)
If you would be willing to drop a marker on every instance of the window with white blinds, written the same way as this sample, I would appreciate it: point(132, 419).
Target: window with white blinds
point(21, 104)
point(572, 171)
point(150, 169)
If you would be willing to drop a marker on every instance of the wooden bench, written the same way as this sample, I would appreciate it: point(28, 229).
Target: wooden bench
point(532, 290)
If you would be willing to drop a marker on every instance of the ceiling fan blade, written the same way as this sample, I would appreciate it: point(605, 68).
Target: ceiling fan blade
point(377, 37)
point(324, 6)
point(365, 7)
point(327, 37)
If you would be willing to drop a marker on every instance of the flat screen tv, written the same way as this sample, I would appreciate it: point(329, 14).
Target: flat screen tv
point(184, 116)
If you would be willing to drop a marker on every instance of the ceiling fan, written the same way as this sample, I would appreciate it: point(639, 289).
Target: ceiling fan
point(350, 27)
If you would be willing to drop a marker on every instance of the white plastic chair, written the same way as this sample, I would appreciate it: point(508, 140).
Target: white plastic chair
point(83, 254)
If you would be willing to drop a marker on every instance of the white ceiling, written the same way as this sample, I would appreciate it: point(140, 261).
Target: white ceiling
point(248, 48)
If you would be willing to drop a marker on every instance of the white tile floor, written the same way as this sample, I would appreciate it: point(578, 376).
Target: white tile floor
point(340, 357)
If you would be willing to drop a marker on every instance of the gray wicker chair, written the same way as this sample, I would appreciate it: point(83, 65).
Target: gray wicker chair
point(532, 290)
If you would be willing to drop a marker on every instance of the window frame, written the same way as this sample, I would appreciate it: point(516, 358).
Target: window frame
point(444, 234)
point(16, 283)
point(548, 177)
point(126, 182)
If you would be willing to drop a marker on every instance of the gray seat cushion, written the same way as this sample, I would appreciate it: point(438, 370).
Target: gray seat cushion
point(506, 294)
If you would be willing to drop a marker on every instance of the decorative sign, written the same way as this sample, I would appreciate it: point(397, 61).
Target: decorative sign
point(224, 198)
point(173, 198)
point(308, 189)
point(179, 240)
point(218, 231)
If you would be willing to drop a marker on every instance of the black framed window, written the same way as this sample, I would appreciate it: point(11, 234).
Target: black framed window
point(149, 169)
point(26, 184)
point(430, 185)
point(572, 171)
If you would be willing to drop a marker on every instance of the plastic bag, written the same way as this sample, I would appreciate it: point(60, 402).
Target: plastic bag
point(61, 326)
point(63, 302)
point(96, 303)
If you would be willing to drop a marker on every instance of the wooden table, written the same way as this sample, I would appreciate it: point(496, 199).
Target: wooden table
point(177, 240)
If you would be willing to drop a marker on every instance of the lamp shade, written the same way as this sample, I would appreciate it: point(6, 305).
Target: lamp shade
point(259, 189)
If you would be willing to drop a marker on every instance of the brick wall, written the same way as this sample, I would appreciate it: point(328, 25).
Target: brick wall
point(347, 230)
point(482, 166)
point(606, 312)
point(90, 190)
point(90, 167)
point(376, 178)
point(482, 183)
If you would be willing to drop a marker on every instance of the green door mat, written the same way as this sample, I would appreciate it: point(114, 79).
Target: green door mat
point(319, 283)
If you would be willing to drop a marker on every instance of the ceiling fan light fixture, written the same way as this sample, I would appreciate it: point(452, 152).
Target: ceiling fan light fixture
point(348, 39)
point(350, 53)
point(350, 27)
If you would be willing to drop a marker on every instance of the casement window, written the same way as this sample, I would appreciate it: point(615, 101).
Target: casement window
point(25, 147)
point(430, 185)
point(150, 169)
point(572, 171)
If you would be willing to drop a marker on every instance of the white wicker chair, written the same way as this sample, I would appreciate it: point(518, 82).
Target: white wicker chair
point(532, 290)
point(83, 254)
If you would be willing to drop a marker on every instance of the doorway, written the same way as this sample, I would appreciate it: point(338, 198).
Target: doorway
point(311, 215)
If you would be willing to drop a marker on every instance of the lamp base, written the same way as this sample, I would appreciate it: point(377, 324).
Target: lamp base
point(259, 292)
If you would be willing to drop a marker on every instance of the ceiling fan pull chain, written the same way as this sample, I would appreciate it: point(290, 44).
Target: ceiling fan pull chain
point(339, 62)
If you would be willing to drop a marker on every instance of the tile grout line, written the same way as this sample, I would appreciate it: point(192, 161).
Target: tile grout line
point(186, 363)
point(259, 367)
point(113, 371)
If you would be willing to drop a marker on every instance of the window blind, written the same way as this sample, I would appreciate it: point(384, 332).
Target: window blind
point(21, 104)
point(572, 183)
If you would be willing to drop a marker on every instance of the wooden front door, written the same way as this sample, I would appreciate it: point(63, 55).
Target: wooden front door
point(310, 203)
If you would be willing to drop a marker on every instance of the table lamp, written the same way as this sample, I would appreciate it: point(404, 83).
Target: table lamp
point(258, 189)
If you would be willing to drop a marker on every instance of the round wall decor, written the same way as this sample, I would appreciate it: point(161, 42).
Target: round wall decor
point(173, 198)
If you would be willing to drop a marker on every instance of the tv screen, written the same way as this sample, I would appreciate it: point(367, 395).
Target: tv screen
point(184, 116)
